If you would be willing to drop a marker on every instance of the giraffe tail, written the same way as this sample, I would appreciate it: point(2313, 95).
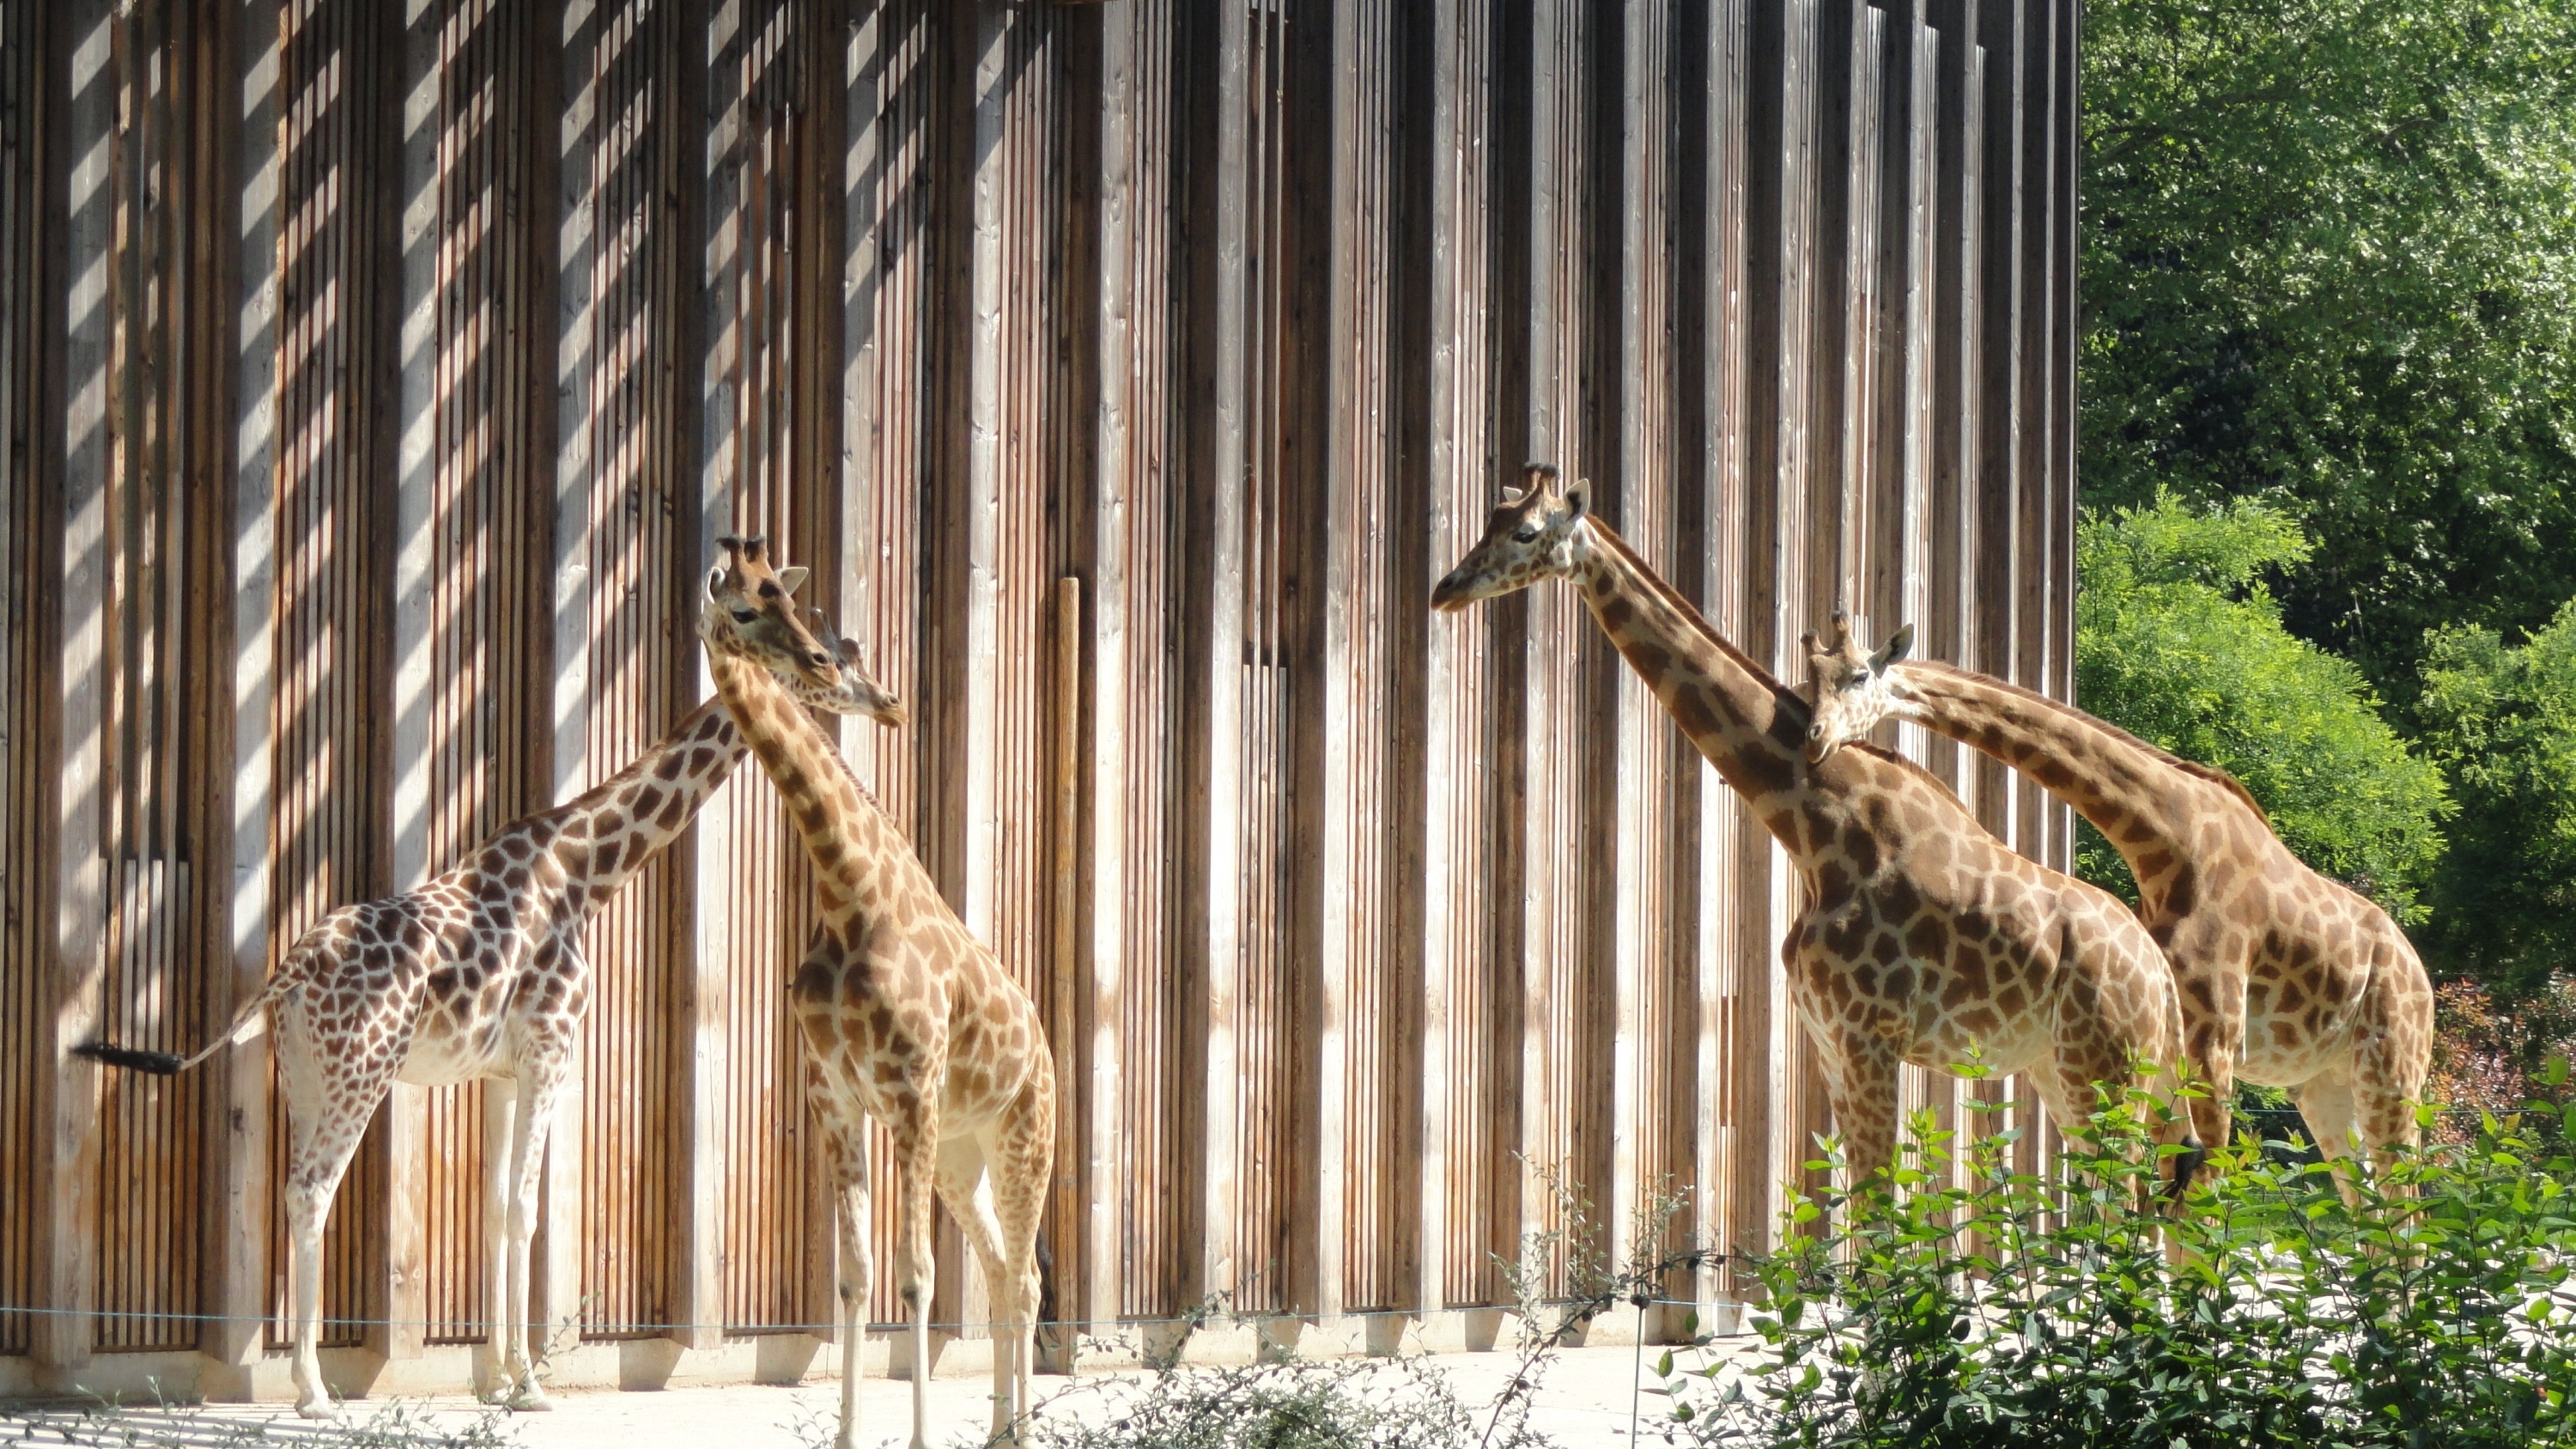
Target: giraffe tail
point(2187, 1165)
point(170, 1064)
point(159, 1064)
point(1046, 1280)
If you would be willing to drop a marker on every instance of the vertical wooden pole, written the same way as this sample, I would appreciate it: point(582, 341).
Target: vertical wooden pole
point(1065, 955)
point(241, 1246)
point(70, 1228)
point(1317, 367)
point(1731, 967)
point(1103, 1195)
point(1218, 792)
point(397, 1259)
point(703, 278)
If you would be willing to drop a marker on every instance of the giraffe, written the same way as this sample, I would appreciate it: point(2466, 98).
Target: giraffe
point(2288, 979)
point(1925, 939)
point(909, 1018)
point(478, 972)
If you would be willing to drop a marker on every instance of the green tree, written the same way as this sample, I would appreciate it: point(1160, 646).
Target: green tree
point(2329, 261)
point(2178, 641)
point(2502, 721)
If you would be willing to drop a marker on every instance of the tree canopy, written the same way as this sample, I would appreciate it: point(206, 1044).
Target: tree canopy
point(2502, 720)
point(2329, 261)
point(2179, 642)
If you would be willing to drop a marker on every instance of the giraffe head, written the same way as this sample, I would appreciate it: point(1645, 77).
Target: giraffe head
point(859, 692)
point(1850, 687)
point(747, 615)
point(1537, 533)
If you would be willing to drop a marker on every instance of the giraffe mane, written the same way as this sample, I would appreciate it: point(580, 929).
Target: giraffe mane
point(2194, 768)
point(1794, 703)
point(1909, 766)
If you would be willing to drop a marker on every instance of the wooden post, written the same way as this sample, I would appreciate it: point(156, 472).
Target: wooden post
point(571, 32)
point(1103, 1193)
point(1217, 793)
point(1065, 955)
point(705, 274)
point(396, 1260)
point(70, 1226)
point(1452, 863)
point(240, 1245)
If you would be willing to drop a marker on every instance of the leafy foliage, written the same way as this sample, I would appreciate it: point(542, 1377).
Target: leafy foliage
point(2178, 642)
point(2008, 1311)
point(1298, 1404)
point(2329, 260)
point(2490, 1059)
point(2502, 720)
point(163, 1425)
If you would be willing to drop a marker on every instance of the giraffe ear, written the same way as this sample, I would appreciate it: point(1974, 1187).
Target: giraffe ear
point(792, 577)
point(715, 582)
point(1899, 644)
point(1578, 498)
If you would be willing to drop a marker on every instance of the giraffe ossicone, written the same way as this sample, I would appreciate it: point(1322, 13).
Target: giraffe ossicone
point(2287, 979)
point(477, 974)
point(908, 1018)
point(1925, 939)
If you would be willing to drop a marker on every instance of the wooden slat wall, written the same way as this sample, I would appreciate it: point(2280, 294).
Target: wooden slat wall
point(490, 527)
point(895, 306)
point(620, 532)
point(30, 505)
point(163, 793)
point(1234, 316)
point(329, 812)
point(1467, 1053)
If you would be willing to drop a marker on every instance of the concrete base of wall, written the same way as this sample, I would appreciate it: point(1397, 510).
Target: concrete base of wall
point(792, 1358)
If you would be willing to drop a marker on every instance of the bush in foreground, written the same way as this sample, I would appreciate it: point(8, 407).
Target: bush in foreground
point(1992, 1309)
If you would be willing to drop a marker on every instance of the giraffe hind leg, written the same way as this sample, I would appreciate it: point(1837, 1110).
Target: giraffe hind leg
point(323, 1137)
point(1019, 1157)
point(967, 1188)
point(540, 1087)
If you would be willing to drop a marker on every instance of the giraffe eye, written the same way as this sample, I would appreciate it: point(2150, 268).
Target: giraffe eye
point(1527, 535)
point(746, 616)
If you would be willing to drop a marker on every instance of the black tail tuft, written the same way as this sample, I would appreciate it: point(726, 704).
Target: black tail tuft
point(2187, 1165)
point(1046, 1281)
point(159, 1064)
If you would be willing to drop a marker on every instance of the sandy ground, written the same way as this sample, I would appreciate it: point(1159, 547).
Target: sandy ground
point(1583, 1400)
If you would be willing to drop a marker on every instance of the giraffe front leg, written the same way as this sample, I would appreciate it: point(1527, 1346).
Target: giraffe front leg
point(1861, 1083)
point(540, 1085)
point(917, 1142)
point(500, 1104)
point(853, 1268)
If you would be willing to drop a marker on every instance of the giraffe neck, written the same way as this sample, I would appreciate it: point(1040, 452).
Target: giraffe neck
point(1748, 725)
point(612, 829)
point(2138, 796)
point(861, 861)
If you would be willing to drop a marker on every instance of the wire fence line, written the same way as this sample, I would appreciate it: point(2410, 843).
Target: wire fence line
point(746, 1330)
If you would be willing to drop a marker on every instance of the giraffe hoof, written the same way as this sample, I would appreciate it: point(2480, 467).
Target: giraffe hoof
point(318, 1406)
point(531, 1400)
